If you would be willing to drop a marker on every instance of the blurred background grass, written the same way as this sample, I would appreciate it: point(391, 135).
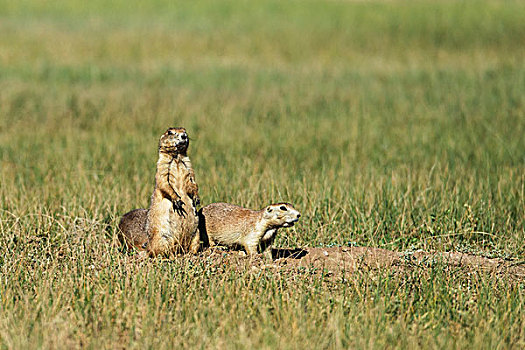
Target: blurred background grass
point(394, 124)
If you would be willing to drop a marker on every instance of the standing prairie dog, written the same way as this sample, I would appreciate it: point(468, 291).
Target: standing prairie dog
point(254, 230)
point(172, 221)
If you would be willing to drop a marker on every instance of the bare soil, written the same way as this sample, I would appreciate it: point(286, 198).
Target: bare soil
point(335, 261)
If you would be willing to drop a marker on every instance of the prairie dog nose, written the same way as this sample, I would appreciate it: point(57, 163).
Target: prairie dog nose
point(298, 215)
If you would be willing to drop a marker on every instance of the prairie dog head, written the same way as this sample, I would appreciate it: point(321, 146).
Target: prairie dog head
point(174, 140)
point(281, 215)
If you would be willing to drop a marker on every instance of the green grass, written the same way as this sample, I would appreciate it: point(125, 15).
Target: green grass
point(392, 124)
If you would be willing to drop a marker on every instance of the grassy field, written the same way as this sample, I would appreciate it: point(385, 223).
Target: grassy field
point(391, 124)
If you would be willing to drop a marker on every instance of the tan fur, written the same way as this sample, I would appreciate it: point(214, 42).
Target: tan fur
point(172, 220)
point(133, 229)
point(254, 230)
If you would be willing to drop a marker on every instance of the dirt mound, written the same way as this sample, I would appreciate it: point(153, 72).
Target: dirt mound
point(337, 260)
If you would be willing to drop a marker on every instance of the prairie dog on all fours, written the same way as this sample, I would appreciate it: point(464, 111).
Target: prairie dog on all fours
point(254, 230)
point(172, 221)
point(132, 226)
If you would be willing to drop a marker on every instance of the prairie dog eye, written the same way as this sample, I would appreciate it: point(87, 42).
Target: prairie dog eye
point(283, 208)
point(170, 132)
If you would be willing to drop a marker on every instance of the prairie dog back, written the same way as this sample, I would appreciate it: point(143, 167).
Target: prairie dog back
point(226, 223)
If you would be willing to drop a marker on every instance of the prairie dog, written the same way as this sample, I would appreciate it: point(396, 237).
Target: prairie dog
point(172, 220)
point(254, 230)
point(132, 225)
